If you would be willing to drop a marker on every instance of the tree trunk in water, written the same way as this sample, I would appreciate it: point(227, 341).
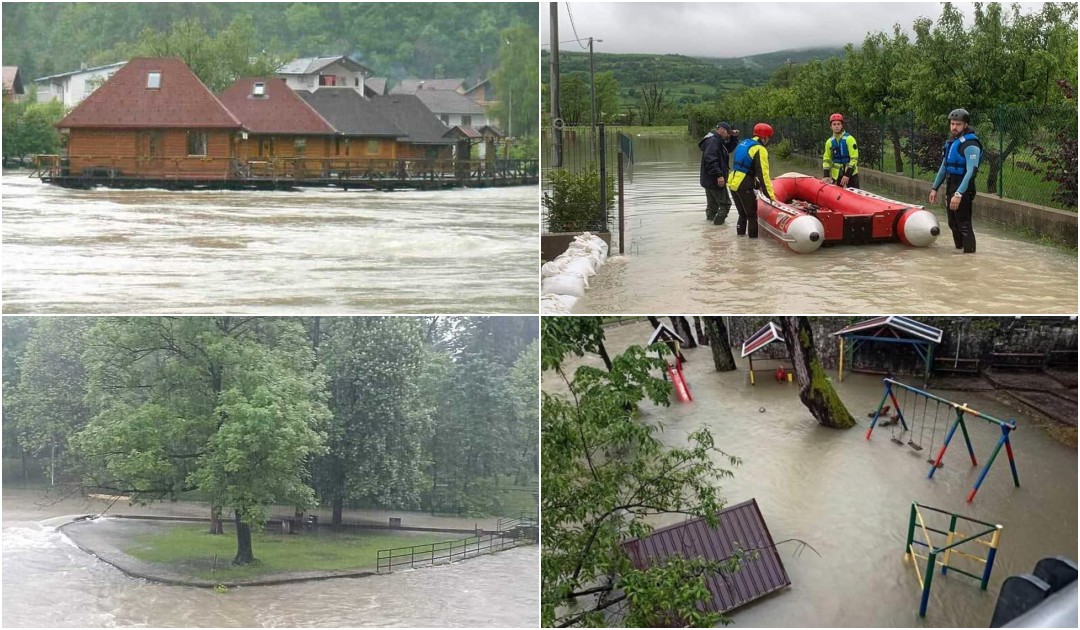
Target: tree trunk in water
point(721, 347)
point(602, 351)
point(216, 526)
point(244, 554)
point(815, 390)
point(682, 329)
point(654, 321)
point(703, 339)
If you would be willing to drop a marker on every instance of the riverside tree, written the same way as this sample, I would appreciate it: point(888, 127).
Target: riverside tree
point(232, 407)
point(815, 390)
point(604, 472)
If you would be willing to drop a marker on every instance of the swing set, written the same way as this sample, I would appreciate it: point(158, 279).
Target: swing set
point(907, 408)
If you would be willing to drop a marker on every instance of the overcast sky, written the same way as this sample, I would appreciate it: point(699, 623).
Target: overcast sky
point(733, 29)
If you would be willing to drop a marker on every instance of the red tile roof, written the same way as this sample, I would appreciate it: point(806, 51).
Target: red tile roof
point(125, 100)
point(280, 111)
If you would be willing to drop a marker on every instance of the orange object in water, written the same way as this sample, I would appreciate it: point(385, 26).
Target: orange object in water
point(780, 374)
point(682, 391)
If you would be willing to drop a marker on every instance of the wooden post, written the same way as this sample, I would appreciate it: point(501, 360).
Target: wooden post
point(621, 217)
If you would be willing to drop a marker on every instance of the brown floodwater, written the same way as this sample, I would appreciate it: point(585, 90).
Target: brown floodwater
point(849, 498)
point(677, 262)
point(49, 582)
point(313, 251)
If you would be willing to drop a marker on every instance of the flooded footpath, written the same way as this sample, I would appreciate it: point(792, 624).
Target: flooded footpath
point(849, 498)
point(313, 251)
point(676, 261)
point(49, 582)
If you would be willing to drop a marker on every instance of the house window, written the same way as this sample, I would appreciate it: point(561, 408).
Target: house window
point(153, 80)
point(327, 80)
point(266, 147)
point(357, 81)
point(196, 143)
point(301, 145)
point(372, 147)
point(259, 91)
point(466, 121)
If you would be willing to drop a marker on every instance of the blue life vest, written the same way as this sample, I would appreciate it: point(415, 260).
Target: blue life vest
point(744, 163)
point(840, 153)
point(955, 162)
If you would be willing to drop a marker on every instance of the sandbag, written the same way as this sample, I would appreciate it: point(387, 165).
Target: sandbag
point(582, 265)
point(554, 267)
point(551, 304)
point(564, 284)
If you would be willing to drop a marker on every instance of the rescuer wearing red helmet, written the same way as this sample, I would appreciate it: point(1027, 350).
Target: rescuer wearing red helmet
point(750, 171)
point(841, 159)
point(959, 165)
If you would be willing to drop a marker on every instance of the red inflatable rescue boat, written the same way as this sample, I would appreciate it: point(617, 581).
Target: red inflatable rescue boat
point(808, 214)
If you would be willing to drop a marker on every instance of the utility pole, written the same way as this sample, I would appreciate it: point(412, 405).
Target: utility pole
point(556, 122)
point(592, 84)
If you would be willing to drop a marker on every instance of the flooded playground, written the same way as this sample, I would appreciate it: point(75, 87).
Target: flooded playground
point(849, 498)
point(316, 251)
point(675, 261)
point(49, 582)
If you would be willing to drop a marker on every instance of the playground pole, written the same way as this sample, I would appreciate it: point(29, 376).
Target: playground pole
point(982, 475)
point(990, 555)
point(948, 438)
point(910, 532)
point(842, 375)
point(967, 438)
point(928, 578)
point(877, 414)
point(948, 545)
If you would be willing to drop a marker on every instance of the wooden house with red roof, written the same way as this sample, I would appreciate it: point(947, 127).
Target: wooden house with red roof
point(152, 119)
point(282, 134)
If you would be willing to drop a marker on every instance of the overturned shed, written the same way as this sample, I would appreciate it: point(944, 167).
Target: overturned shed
point(739, 528)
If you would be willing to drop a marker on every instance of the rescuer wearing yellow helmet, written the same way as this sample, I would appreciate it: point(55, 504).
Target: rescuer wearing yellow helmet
point(841, 159)
point(751, 170)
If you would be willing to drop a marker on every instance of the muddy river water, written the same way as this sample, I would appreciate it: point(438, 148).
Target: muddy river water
point(677, 262)
point(315, 251)
point(49, 582)
point(849, 498)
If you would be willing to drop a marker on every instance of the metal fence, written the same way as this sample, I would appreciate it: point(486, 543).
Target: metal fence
point(1029, 154)
point(445, 552)
point(578, 163)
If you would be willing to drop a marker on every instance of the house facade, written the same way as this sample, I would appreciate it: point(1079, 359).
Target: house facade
point(453, 109)
point(153, 118)
point(71, 88)
point(13, 85)
point(313, 73)
point(277, 127)
point(425, 135)
point(362, 131)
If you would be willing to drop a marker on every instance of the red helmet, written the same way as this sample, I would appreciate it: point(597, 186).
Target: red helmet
point(763, 130)
point(836, 117)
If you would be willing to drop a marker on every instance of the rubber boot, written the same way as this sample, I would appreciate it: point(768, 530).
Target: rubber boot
point(969, 242)
point(721, 215)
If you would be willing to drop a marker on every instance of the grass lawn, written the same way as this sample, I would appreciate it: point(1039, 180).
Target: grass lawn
point(637, 130)
point(189, 549)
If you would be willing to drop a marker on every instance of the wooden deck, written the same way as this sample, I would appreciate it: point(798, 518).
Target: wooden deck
point(289, 173)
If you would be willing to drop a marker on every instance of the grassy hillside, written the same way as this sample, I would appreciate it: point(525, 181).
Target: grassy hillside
point(688, 79)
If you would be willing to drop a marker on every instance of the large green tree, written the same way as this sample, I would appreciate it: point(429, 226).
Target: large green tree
point(515, 81)
point(380, 421)
point(48, 398)
point(604, 473)
point(229, 406)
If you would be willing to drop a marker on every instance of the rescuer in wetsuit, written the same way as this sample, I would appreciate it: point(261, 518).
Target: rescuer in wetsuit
point(840, 161)
point(959, 166)
point(749, 171)
point(716, 148)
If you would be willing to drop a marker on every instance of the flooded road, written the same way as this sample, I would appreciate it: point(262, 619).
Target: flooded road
point(48, 581)
point(677, 262)
point(849, 498)
point(315, 251)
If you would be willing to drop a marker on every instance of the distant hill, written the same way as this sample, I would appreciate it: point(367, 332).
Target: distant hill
point(689, 79)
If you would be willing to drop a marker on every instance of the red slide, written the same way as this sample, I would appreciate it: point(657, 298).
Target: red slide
point(681, 388)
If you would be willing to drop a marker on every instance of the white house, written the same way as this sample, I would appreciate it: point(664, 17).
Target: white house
point(313, 73)
point(453, 109)
point(70, 88)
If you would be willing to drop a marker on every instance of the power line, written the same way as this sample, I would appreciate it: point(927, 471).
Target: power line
point(571, 14)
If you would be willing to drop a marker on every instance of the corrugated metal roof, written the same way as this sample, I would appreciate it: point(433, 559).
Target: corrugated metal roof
point(350, 113)
point(899, 323)
point(64, 75)
point(125, 101)
point(308, 65)
point(739, 527)
point(280, 110)
point(768, 334)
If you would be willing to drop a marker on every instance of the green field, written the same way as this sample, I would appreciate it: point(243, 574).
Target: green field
point(189, 549)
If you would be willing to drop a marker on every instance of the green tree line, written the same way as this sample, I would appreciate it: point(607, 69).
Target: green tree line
point(395, 39)
point(435, 414)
